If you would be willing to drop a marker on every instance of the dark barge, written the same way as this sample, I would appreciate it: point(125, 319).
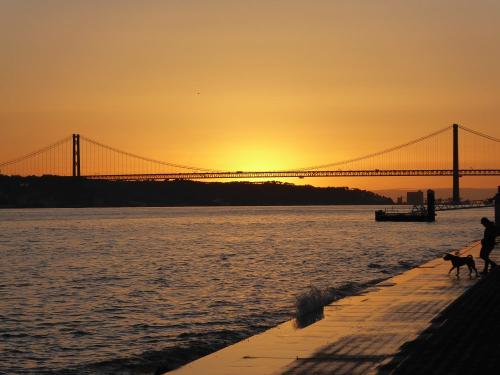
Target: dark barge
point(417, 214)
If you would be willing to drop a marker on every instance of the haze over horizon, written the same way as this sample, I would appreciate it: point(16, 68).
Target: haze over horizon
point(263, 85)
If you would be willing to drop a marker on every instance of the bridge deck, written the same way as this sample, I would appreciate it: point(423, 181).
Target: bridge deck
point(452, 207)
point(357, 334)
point(298, 174)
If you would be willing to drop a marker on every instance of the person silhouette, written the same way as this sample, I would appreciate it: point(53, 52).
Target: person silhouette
point(487, 244)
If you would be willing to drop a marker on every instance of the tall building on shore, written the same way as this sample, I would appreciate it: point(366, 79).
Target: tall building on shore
point(415, 197)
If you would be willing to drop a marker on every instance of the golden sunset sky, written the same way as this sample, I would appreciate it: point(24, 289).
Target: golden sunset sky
point(249, 85)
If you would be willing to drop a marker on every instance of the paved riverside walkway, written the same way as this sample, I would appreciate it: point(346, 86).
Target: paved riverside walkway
point(463, 339)
point(361, 334)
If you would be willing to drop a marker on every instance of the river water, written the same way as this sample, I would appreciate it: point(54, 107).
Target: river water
point(134, 290)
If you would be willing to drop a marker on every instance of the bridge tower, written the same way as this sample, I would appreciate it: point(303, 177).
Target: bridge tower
point(456, 176)
point(76, 155)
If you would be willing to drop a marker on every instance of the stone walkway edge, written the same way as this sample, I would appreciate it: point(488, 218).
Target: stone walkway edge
point(357, 335)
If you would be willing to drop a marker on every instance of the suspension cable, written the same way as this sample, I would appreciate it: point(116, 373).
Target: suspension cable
point(35, 153)
point(379, 152)
point(491, 138)
point(148, 159)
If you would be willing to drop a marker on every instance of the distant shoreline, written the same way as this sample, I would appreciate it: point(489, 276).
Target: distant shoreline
point(194, 206)
point(68, 192)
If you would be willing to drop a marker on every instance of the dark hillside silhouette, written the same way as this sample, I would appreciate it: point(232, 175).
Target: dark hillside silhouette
point(54, 191)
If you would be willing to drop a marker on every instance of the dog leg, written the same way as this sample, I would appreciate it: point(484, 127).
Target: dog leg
point(472, 268)
point(451, 269)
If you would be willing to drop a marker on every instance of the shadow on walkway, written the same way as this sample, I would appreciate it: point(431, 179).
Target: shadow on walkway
point(463, 339)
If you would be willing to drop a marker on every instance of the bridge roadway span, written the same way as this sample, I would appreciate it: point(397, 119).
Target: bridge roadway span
point(299, 174)
point(357, 335)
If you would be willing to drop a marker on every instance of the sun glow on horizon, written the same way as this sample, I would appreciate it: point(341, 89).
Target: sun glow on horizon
point(248, 86)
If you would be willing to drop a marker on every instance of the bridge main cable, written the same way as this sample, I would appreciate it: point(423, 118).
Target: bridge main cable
point(489, 137)
point(35, 153)
point(146, 159)
point(378, 153)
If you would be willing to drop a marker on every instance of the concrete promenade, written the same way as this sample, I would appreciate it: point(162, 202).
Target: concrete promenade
point(361, 334)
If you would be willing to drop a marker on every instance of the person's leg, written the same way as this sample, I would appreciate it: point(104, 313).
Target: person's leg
point(493, 264)
point(486, 264)
point(488, 261)
point(483, 254)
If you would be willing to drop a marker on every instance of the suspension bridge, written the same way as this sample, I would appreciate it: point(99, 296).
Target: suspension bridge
point(441, 153)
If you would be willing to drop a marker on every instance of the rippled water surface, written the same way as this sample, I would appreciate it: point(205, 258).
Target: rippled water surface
point(131, 290)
